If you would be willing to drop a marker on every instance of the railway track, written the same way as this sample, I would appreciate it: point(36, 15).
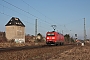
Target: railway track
point(20, 48)
point(26, 47)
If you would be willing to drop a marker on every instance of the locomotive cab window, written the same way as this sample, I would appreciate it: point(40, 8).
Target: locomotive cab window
point(50, 34)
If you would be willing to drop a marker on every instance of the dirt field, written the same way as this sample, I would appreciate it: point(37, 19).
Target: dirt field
point(4, 45)
point(50, 53)
point(77, 53)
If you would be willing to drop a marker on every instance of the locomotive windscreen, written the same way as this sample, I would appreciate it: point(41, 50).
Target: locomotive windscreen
point(50, 34)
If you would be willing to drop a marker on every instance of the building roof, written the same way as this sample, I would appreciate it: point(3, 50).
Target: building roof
point(15, 21)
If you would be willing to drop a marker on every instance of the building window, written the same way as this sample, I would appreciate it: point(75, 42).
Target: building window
point(9, 23)
point(11, 20)
point(16, 22)
point(16, 18)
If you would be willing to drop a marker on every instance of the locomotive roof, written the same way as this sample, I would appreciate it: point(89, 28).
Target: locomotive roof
point(54, 32)
point(15, 21)
point(51, 31)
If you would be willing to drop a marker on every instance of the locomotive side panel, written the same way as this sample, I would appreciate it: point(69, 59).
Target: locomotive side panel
point(61, 38)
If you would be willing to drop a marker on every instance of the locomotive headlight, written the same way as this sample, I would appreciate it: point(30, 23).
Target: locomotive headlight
point(53, 37)
point(47, 37)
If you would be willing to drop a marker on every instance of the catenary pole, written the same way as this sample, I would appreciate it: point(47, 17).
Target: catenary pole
point(35, 28)
point(84, 30)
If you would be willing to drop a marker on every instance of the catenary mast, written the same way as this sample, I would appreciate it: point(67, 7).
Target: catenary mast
point(84, 30)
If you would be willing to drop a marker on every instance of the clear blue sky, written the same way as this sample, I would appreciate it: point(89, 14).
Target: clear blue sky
point(66, 14)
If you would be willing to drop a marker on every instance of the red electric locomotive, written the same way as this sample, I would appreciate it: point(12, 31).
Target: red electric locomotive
point(54, 38)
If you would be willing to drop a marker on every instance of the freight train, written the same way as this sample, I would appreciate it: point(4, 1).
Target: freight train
point(54, 38)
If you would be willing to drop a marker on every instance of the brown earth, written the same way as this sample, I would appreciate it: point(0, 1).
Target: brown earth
point(4, 45)
point(77, 53)
point(67, 52)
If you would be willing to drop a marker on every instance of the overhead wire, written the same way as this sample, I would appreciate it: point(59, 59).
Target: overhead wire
point(30, 13)
point(73, 22)
point(23, 20)
point(5, 14)
point(38, 11)
point(18, 13)
point(25, 11)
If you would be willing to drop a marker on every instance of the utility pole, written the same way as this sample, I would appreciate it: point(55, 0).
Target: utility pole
point(35, 28)
point(84, 30)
